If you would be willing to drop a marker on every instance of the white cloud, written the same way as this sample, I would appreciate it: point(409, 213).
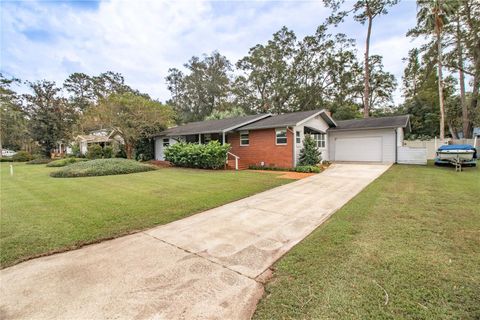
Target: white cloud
point(142, 39)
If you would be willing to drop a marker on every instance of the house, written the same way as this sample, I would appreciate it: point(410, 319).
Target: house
point(276, 140)
point(103, 137)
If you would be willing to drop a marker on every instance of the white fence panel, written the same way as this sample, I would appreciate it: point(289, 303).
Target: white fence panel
point(432, 145)
point(406, 155)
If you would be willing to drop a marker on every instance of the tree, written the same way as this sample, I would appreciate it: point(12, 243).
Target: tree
point(13, 119)
point(309, 155)
point(412, 74)
point(432, 16)
point(51, 116)
point(81, 89)
point(206, 87)
point(135, 116)
point(232, 113)
point(268, 81)
point(365, 11)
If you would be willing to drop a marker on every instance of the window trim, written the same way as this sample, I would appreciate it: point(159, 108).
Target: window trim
point(205, 140)
point(322, 139)
point(276, 137)
point(165, 143)
point(298, 137)
point(241, 139)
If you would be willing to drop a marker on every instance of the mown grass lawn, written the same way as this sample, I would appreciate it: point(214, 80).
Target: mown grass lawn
point(41, 214)
point(414, 232)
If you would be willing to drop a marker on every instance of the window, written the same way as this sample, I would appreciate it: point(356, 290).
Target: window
point(319, 139)
point(298, 137)
point(281, 136)
point(207, 138)
point(244, 139)
point(166, 142)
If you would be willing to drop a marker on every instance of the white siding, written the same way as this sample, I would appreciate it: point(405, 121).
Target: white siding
point(387, 137)
point(159, 147)
point(316, 123)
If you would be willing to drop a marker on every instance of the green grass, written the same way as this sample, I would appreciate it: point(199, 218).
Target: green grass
point(414, 232)
point(101, 167)
point(41, 214)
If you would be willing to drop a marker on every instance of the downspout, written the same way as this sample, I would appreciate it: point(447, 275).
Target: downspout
point(294, 150)
point(396, 145)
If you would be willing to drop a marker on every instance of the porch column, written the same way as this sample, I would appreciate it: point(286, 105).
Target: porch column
point(223, 137)
point(199, 138)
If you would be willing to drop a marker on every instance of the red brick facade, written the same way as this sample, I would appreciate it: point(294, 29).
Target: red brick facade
point(262, 147)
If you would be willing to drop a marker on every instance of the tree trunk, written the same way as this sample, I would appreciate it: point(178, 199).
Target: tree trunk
point(465, 117)
point(453, 131)
point(128, 150)
point(366, 94)
point(440, 86)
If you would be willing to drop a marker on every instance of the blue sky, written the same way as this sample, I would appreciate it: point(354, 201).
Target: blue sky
point(143, 39)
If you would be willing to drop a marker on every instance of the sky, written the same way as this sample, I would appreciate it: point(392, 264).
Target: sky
point(142, 39)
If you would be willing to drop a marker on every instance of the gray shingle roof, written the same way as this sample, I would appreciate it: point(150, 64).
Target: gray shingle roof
point(282, 120)
point(373, 123)
point(211, 126)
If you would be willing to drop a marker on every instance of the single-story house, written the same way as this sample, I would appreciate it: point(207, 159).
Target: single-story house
point(276, 140)
point(103, 137)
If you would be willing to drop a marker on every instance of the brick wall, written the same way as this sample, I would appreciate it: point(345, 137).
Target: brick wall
point(262, 147)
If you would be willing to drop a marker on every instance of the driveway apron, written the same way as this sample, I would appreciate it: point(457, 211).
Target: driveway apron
point(206, 266)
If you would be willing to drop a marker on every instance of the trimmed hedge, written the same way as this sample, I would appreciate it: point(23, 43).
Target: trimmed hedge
point(307, 169)
point(22, 156)
point(101, 167)
point(191, 155)
point(65, 162)
point(40, 161)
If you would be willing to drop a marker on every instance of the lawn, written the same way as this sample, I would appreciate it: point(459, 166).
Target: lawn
point(41, 214)
point(413, 234)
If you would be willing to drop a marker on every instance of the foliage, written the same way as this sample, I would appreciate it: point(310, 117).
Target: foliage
point(309, 155)
point(22, 156)
point(205, 156)
point(6, 159)
point(40, 160)
point(144, 149)
point(65, 162)
point(364, 11)
point(307, 169)
point(203, 89)
point(101, 167)
point(76, 150)
point(13, 119)
point(107, 152)
point(231, 113)
point(133, 115)
point(94, 151)
point(51, 117)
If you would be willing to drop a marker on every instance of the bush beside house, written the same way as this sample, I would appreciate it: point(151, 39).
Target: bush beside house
point(309, 155)
point(204, 156)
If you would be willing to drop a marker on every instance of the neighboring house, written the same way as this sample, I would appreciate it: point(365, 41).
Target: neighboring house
point(276, 140)
point(8, 153)
point(103, 137)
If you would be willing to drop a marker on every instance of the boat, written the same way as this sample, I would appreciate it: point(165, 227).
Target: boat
point(457, 154)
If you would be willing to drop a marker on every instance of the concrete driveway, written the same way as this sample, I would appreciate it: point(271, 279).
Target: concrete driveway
point(207, 266)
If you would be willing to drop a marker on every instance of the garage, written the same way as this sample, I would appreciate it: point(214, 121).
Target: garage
point(360, 149)
point(367, 140)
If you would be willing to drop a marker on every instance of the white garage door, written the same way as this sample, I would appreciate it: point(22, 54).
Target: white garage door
point(358, 149)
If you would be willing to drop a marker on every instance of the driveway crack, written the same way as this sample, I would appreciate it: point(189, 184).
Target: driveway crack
point(200, 256)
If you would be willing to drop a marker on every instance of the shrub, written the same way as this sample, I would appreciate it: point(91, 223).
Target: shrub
point(22, 156)
point(65, 162)
point(40, 160)
point(108, 152)
point(307, 169)
point(309, 155)
point(205, 156)
point(6, 159)
point(94, 151)
point(255, 167)
point(101, 167)
point(76, 150)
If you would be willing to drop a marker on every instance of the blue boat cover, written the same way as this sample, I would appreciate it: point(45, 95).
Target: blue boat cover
point(456, 147)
